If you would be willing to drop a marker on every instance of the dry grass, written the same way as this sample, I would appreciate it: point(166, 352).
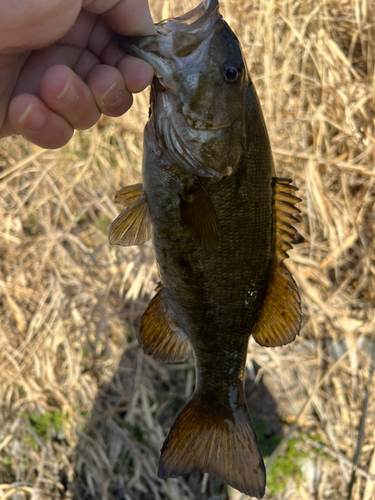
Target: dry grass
point(83, 412)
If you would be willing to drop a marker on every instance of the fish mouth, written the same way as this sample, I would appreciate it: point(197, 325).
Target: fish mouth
point(192, 20)
point(173, 38)
point(198, 124)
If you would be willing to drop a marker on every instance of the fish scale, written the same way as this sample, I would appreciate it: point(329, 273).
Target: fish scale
point(220, 222)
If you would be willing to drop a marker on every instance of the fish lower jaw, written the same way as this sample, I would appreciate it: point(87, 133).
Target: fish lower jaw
point(202, 125)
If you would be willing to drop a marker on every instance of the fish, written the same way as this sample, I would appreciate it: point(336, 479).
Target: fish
point(221, 225)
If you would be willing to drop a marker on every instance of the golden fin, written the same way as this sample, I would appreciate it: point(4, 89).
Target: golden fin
point(159, 335)
point(199, 215)
point(127, 195)
point(283, 184)
point(283, 209)
point(132, 226)
point(220, 441)
point(280, 319)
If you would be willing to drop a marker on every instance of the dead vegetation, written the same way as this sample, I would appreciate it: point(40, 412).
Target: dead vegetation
point(83, 411)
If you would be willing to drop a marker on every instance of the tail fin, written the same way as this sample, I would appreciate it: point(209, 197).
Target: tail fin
point(220, 441)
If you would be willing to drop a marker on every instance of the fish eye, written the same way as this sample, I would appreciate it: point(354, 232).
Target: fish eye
point(232, 72)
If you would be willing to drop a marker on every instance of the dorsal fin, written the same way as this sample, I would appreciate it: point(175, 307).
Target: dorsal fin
point(280, 319)
point(160, 335)
point(199, 215)
point(132, 226)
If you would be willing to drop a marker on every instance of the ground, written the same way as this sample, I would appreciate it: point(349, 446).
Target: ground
point(83, 411)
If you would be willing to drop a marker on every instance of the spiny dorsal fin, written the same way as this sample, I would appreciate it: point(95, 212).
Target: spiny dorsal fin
point(132, 226)
point(199, 215)
point(280, 319)
point(160, 335)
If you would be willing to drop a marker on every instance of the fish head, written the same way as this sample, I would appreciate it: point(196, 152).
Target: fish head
point(199, 93)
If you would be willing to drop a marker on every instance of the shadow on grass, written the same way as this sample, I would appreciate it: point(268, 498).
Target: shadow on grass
point(119, 448)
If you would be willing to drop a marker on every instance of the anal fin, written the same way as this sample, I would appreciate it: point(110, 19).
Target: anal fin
point(132, 226)
point(280, 319)
point(160, 335)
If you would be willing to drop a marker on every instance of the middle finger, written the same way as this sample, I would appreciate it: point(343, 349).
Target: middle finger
point(66, 94)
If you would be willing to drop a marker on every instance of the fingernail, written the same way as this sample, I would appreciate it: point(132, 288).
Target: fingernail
point(69, 95)
point(112, 94)
point(32, 118)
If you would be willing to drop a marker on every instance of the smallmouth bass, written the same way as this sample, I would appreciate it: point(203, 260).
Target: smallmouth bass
point(220, 222)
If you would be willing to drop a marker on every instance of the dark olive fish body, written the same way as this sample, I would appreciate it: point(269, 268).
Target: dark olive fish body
point(220, 224)
point(222, 289)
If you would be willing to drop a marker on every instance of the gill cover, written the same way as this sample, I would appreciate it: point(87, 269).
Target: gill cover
point(199, 95)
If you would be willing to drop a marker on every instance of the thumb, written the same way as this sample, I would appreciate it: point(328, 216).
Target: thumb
point(126, 17)
point(33, 24)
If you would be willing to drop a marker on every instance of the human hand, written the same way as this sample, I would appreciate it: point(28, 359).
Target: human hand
point(60, 67)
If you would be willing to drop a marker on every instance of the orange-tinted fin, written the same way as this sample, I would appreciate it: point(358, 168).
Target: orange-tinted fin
point(219, 441)
point(132, 226)
point(127, 195)
point(199, 215)
point(280, 319)
point(159, 335)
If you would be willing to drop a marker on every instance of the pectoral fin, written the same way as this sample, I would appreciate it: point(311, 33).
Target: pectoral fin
point(132, 226)
point(280, 319)
point(127, 195)
point(160, 335)
point(199, 215)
